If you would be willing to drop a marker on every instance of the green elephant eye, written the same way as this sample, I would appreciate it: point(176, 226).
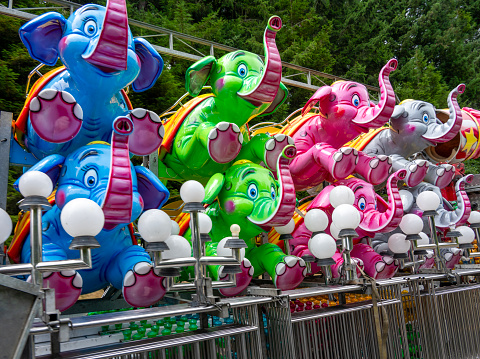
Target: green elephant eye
point(252, 191)
point(272, 192)
point(242, 70)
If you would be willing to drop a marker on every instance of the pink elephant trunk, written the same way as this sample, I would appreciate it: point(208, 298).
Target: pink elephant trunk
point(447, 131)
point(110, 52)
point(267, 87)
point(118, 202)
point(387, 221)
point(459, 216)
point(377, 116)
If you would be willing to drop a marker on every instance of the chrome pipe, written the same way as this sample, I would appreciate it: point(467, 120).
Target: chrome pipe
point(36, 243)
point(197, 253)
point(219, 261)
point(16, 269)
point(174, 262)
point(85, 262)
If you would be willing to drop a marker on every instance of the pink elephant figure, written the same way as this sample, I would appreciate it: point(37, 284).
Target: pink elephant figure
point(376, 216)
point(344, 112)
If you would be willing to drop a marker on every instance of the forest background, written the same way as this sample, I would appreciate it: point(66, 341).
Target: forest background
point(436, 42)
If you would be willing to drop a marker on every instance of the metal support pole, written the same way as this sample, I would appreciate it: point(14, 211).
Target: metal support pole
point(36, 243)
point(433, 233)
point(197, 253)
point(5, 135)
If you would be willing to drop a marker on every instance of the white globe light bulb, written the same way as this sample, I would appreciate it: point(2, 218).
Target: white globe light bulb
point(334, 231)
point(428, 201)
point(316, 220)
point(82, 217)
point(5, 225)
point(205, 223)
point(468, 235)
point(346, 216)
point(341, 195)
point(35, 183)
point(178, 247)
point(406, 197)
point(227, 252)
point(411, 224)
point(424, 241)
point(235, 229)
point(398, 244)
point(322, 246)
point(474, 217)
point(192, 191)
point(286, 229)
point(155, 225)
point(175, 230)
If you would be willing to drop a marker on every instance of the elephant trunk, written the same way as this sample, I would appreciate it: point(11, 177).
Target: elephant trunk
point(459, 216)
point(118, 202)
point(109, 54)
point(447, 131)
point(266, 89)
point(374, 221)
point(377, 116)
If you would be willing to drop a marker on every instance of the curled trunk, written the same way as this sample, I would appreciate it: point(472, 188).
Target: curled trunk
point(459, 216)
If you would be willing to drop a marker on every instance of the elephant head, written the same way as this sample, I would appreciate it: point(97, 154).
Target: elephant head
point(244, 85)
point(104, 174)
point(96, 46)
point(415, 126)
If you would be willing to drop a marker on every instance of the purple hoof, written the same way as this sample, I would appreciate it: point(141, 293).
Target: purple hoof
point(289, 273)
point(67, 284)
point(148, 132)
point(55, 116)
point(429, 260)
point(378, 169)
point(142, 286)
point(224, 142)
point(243, 279)
point(274, 147)
point(453, 258)
point(343, 162)
point(444, 175)
point(416, 171)
point(386, 268)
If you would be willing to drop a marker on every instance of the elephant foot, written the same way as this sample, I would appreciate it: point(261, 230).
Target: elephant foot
point(343, 162)
point(243, 279)
point(55, 116)
point(416, 172)
point(148, 132)
point(444, 175)
point(142, 286)
point(67, 284)
point(452, 257)
point(429, 260)
point(385, 268)
point(224, 142)
point(378, 169)
point(274, 147)
point(289, 273)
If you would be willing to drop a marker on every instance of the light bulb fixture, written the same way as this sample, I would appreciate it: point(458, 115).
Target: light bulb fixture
point(323, 247)
point(424, 240)
point(407, 198)
point(474, 218)
point(205, 226)
point(5, 226)
point(175, 228)
point(341, 195)
point(466, 238)
point(346, 218)
point(411, 225)
point(35, 183)
point(398, 244)
point(428, 201)
point(286, 234)
point(192, 193)
point(316, 221)
point(155, 226)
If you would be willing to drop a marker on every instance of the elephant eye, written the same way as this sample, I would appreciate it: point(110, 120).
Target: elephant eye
point(64, 170)
point(272, 192)
point(362, 203)
point(242, 70)
point(425, 117)
point(90, 178)
point(252, 191)
point(90, 28)
point(356, 100)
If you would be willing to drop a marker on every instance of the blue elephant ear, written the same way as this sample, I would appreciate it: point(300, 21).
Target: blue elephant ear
point(50, 165)
point(42, 35)
point(151, 65)
point(152, 190)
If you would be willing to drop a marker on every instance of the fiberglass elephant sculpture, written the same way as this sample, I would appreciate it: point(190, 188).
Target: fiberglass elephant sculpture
point(413, 128)
point(76, 104)
point(345, 111)
point(104, 174)
point(377, 216)
point(247, 194)
point(203, 137)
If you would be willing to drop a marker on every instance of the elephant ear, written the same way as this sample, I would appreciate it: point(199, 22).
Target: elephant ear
point(213, 187)
point(198, 74)
point(282, 94)
point(42, 35)
point(322, 201)
point(50, 165)
point(152, 190)
point(151, 65)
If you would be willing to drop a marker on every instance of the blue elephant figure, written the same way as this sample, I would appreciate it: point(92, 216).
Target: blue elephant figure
point(77, 103)
point(100, 173)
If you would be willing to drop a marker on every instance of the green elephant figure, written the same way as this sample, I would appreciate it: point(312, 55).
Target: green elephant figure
point(204, 136)
point(248, 194)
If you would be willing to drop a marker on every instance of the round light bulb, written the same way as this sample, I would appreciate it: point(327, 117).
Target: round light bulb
point(82, 217)
point(468, 235)
point(341, 195)
point(334, 231)
point(316, 220)
point(346, 216)
point(5, 225)
point(204, 223)
point(227, 252)
point(411, 224)
point(322, 246)
point(398, 244)
point(178, 247)
point(424, 241)
point(235, 229)
point(35, 183)
point(428, 201)
point(286, 229)
point(192, 191)
point(406, 197)
point(154, 225)
point(474, 217)
point(175, 230)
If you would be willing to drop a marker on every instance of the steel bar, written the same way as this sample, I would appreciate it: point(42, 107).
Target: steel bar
point(16, 269)
point(85, 262)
